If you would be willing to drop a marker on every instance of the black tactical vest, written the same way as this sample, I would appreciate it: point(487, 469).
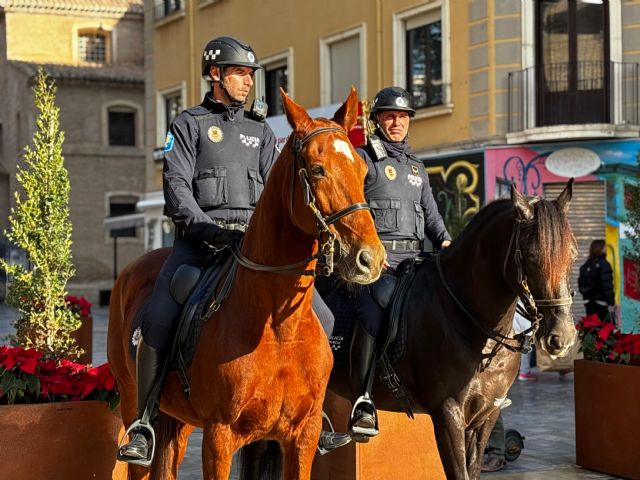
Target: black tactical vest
point(227, 173)
point(395, 199)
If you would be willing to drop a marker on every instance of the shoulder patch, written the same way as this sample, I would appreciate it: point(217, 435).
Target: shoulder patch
point(377, 148)
point(168, 142)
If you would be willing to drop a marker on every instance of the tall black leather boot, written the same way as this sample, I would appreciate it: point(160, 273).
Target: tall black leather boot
point(149, 365)
point(364, 422)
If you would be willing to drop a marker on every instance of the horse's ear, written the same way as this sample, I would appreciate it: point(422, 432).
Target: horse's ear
point(347, 114)
point(565, 197)
point(297, 116)
point(524, 210)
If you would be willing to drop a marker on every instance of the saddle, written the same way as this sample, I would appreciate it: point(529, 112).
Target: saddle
point(200, 292)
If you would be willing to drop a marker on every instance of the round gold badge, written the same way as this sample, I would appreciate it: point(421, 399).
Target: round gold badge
point(215, 134)
point(390, 172)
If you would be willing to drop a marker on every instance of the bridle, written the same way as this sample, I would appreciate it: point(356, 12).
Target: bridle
point(325, 236)
point(523, 339)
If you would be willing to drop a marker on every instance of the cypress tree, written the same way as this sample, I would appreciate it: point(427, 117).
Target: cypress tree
point(39, 224)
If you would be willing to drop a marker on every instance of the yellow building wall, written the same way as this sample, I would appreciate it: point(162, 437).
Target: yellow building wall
point(274, 27)
point(52, 38)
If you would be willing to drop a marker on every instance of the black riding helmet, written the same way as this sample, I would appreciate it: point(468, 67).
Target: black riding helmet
point(225, 51)
point(392, 98)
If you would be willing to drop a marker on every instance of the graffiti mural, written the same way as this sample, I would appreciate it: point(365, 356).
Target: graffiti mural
point(458, 187)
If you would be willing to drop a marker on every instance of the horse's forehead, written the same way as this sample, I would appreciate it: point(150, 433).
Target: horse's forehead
point(341, 146)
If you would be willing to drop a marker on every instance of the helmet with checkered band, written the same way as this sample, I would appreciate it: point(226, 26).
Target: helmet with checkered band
point(226, 51)
point(392, 98)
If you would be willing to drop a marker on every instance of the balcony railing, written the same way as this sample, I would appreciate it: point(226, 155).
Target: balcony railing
point(164, 8)
point(574, 93)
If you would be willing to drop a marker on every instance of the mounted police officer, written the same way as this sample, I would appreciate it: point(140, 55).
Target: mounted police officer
point(216, 160)
point(398, 191)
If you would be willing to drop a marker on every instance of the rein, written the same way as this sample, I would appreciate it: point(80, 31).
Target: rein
point(523, 339)
point(324, 235)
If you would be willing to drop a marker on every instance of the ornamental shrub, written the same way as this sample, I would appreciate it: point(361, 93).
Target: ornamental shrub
point(40, 225)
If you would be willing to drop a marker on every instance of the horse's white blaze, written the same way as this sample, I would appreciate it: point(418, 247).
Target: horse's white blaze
point(341, 146)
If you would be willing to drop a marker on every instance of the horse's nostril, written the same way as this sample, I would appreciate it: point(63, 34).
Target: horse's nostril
point(364, 259)
point(554, 341)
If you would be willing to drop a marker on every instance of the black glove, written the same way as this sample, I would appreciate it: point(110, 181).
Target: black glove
point(226, 237)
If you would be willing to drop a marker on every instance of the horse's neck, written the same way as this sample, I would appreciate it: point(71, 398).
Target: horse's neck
point(474, 270)
point(273, 239)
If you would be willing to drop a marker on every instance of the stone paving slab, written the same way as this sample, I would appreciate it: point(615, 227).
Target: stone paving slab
point(542, 411)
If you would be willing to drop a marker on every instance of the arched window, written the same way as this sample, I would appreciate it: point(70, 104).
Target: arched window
point(122, 126)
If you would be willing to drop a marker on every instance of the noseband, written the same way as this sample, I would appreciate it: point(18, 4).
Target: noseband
point(325, 236)
point(523, 339)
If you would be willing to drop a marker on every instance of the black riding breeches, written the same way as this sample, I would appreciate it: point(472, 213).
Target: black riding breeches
point(163, 312)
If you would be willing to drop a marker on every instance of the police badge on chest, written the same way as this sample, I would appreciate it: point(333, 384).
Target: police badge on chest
point(414, 177)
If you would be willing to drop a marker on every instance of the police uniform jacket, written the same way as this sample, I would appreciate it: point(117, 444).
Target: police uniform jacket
point(216, 160)
point(398, 191)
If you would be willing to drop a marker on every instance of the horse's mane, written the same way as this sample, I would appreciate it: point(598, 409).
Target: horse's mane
point(556, 242)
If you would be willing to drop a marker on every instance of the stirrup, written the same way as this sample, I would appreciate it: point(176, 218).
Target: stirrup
point(321, 450)
point(361, 434)
point(149, 433)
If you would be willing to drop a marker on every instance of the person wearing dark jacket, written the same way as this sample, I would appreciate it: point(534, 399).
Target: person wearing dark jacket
point(405, 213)
point(216, 160)
point(596, 282)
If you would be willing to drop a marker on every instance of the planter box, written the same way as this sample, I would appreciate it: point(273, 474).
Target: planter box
point(84, 338)
point(404, 449)
point(607, 417)
point(58, 441)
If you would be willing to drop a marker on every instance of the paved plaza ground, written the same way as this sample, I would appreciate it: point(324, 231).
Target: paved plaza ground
point(542, 411)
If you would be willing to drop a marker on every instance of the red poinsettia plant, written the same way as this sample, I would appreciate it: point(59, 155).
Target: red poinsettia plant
point(79, 305)
point(27, 376)
point(604, 342)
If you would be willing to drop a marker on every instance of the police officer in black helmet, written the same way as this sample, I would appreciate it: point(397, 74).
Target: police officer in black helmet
point(216, 160)
point(398, 192)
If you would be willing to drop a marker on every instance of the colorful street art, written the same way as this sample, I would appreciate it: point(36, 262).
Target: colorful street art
point(458, 187)
point(526, 167)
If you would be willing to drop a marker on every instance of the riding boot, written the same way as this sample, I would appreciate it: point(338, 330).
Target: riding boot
point(149, 365)
point(364, 422)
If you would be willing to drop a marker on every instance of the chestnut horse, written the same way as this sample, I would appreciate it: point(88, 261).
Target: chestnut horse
point(460, 360)
point(263, 360)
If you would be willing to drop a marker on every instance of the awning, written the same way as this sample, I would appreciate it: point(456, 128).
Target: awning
point(124, 221)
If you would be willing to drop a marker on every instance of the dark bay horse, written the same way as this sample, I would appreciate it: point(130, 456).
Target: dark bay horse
point(263, 360)
point(454, 368)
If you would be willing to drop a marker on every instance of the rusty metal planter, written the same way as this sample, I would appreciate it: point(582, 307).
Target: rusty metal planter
point(607, 417)
point(58, 441)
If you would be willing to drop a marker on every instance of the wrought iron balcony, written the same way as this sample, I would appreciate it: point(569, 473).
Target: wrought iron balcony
point(574, 93)
point(164, 8)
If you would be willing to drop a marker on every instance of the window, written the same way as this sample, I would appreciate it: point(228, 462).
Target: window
point(92, 47)
point(164, 8)
point(342, 65)
point(275, 77)
point(119, 206)
point(122, 128)
point(172, 107)
point(345, 67)
point(423, 54)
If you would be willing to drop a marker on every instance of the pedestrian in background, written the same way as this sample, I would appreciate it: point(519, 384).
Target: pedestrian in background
point(596, 283)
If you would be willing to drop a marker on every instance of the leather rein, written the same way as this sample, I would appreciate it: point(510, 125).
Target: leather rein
point(523, 339)
point(324, 235)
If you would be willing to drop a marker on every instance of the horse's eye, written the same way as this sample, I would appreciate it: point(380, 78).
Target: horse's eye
point(317, 170)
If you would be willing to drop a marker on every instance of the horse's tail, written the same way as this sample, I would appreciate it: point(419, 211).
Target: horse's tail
point(261, 460)
point(166, 456)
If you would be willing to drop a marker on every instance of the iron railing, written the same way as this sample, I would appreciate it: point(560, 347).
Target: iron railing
point(164, 8)
point(574, 93)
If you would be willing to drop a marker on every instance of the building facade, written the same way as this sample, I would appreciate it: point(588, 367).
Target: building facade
point(94, 52)
point(530, 92)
